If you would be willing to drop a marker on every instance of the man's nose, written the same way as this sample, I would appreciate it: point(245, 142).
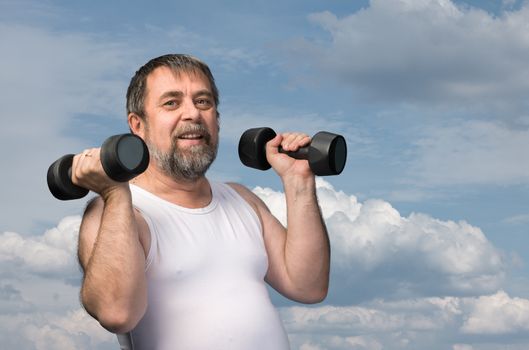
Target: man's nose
point(190, 110)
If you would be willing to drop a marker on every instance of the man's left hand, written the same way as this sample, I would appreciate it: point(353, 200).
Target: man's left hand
point(282, 163)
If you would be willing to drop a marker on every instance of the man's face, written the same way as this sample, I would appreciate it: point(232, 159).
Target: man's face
point(181, 123)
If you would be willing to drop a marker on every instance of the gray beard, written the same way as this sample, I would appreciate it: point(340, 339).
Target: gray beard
point(185, 164)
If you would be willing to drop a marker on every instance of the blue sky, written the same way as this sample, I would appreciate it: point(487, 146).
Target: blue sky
point(429, 219)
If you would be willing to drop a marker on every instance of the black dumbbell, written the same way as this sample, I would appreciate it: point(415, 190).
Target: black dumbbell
point(326, 153)
point(123, 157)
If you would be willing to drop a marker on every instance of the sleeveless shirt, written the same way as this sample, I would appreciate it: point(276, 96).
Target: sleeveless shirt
point(205, 277)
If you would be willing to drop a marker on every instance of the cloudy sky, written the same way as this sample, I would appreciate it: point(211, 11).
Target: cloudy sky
point(428, 222)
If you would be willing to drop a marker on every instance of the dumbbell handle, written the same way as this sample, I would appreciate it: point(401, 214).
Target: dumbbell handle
point(326, 153)
point(301, 153)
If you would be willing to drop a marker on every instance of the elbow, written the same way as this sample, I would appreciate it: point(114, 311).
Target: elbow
point(314, 296)
point(118, 322)
point(317, 297)
point(318, 293)
point(322, 296)
point(116, 318)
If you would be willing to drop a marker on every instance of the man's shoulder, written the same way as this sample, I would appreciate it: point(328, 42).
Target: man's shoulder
point(248, 195)
point(242, 190)
point(236, 186)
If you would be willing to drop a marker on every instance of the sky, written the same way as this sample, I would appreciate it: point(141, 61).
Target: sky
point(428, 222)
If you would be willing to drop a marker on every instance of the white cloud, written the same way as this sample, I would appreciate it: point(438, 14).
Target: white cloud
point(497, 314)
point(11, 300)
point(73, 330)
point(428, 314)
point(508, 4)
point(424, 51)
point(462, 347)
point(39, 309)
point(52, 254)
point(76, 327)
point(424, 323)
point(519, 219)
point(377, 252)
point(336, 342)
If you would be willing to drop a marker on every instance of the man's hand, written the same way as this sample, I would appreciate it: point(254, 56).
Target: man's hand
point(284, 165)
point(88, 172)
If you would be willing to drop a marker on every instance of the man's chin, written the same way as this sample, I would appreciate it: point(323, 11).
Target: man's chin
point(196, 148)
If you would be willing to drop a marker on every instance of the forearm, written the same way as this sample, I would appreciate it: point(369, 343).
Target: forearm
point(307, 248)
point(114, 286)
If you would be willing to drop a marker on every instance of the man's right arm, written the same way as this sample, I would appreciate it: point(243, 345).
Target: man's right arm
point(113, 245)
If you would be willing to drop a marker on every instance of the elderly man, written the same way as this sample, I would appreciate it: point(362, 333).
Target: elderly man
point(177, 261)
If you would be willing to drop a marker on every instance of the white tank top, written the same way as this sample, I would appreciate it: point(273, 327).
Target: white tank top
point(205, 274)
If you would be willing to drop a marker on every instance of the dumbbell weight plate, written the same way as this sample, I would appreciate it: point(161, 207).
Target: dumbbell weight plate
point(340, 154)
point(124, 156)
point(327, 154)
point(60, 182)
point(252, 147)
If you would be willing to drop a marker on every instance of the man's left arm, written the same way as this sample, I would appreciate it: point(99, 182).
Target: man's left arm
point(299, 257)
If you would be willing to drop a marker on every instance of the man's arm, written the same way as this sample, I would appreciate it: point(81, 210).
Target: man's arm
point(299, 257)
point(113, 240)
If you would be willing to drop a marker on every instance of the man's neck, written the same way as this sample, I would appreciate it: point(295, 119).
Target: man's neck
point(183, 192)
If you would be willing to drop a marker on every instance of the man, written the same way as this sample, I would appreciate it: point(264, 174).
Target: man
point(179, 261)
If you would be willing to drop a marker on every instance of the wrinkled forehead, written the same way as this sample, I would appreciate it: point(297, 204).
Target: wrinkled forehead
point(163, 78)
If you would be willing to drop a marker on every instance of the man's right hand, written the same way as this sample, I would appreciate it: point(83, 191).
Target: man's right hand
point(88, 172)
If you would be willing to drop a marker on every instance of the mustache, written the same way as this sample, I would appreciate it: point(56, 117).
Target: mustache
point(193, 128)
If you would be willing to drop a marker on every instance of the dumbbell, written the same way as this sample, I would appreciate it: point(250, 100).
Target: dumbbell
point(326, 153)
point(123, 157)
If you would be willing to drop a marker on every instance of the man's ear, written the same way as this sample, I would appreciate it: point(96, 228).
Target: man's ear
point(136, 124)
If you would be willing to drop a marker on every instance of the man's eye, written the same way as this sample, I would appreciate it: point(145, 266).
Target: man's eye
point(204, 102)
point(170, 103)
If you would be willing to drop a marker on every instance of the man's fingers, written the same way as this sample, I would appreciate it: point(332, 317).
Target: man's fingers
point(84, 163)
point(274, 143)
point(293, 141)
